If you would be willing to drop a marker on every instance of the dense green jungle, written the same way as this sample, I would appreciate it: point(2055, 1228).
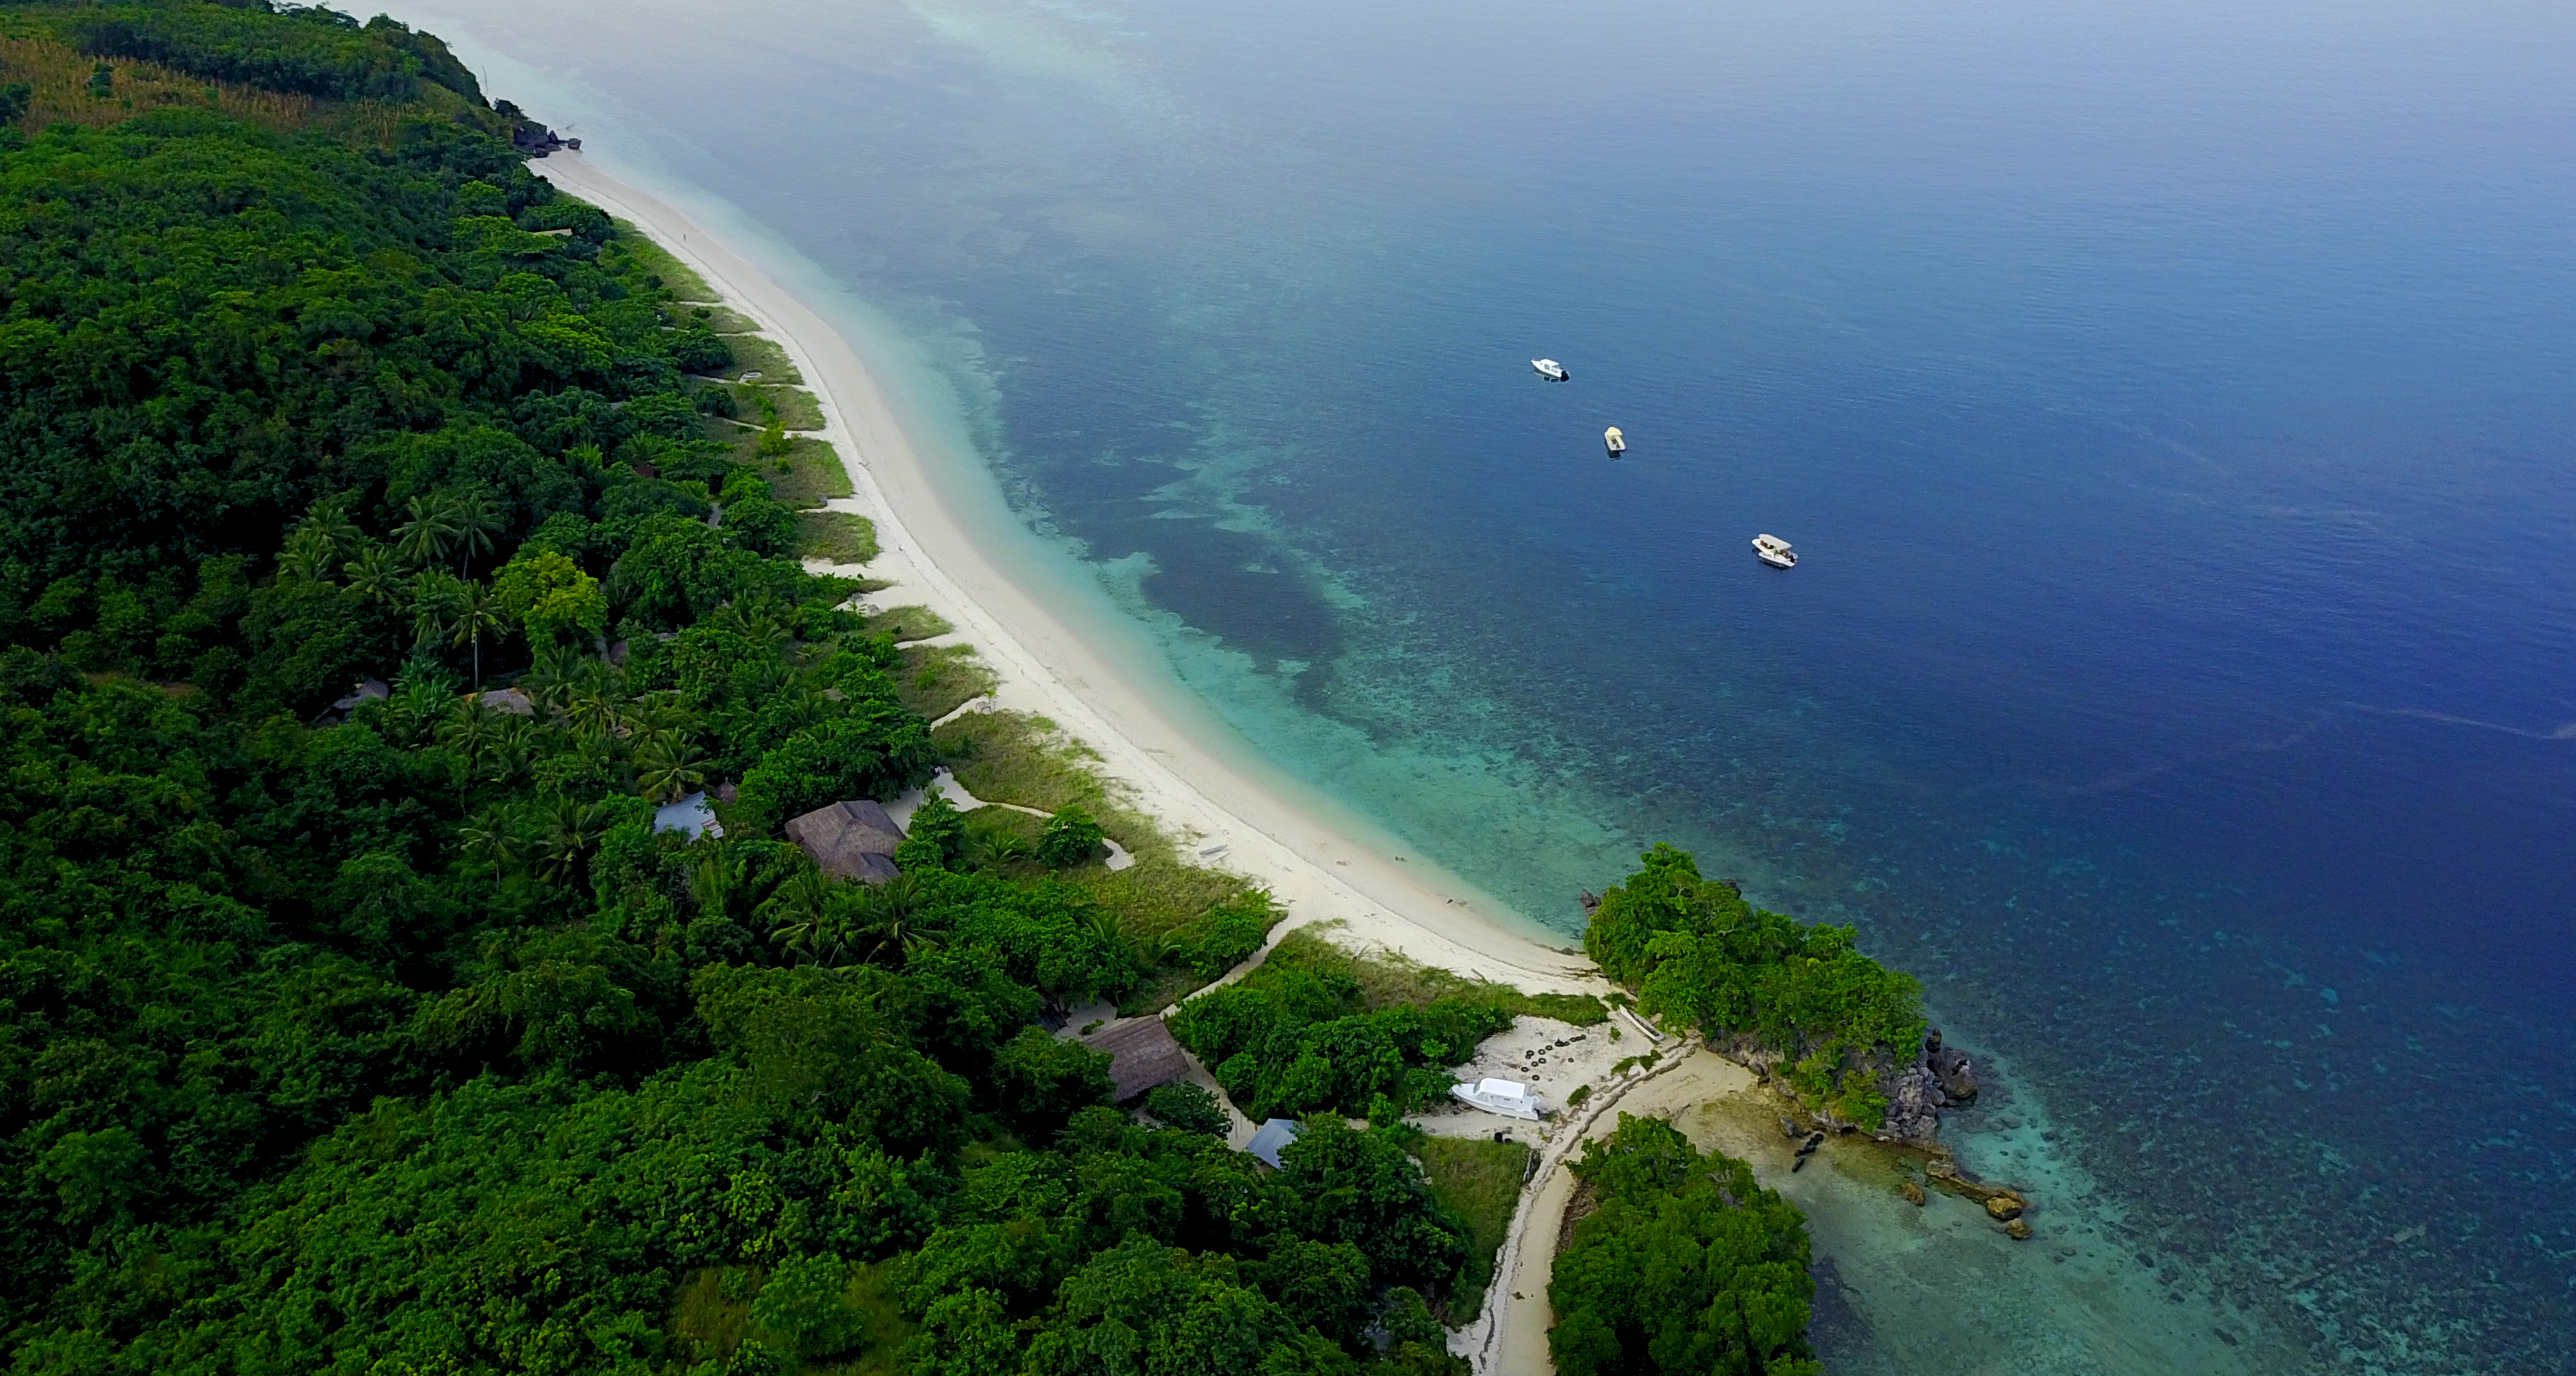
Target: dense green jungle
point(379, 1030)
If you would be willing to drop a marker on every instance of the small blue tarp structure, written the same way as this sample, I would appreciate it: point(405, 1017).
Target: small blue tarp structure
point(1273, 1137)
point(690, 815)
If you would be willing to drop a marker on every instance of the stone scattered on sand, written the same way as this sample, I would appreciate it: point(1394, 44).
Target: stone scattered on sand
point(2005, 1207)
point(2017, 1230)
point(1913, 1193)
point(1798, 1164)
point(1814, 1140)
point(1789, 1128)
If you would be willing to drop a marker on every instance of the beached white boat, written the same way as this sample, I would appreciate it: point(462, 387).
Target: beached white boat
point(1618, 443)
point(1550, 369)
point(1773, 550)
point(1509, 1098)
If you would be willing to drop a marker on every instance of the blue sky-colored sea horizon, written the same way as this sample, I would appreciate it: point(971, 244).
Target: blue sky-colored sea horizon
point(2174, 407)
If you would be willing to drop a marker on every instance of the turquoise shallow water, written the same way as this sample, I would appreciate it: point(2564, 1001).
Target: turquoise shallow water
point(2171, 402)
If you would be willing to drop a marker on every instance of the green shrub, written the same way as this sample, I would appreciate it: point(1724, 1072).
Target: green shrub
point(1187, 1106)
point(1695, 951)
point(1688, 1265)
point(1071, 838)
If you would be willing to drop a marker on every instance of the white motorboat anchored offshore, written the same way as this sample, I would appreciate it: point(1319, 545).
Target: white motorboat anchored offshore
point(1509, 1098)
point(1550, 369)
point(1618, 443)
point(1773, 550)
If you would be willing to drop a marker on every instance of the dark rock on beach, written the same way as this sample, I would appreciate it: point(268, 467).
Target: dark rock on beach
point(1913, 1193)
point(1951, 1067)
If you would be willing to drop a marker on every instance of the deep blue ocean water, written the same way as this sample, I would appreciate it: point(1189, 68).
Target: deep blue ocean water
point(2174, 406)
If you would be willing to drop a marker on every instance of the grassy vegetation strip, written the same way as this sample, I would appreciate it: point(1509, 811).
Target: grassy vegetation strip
point(939, 679)
point(1389, 979)
point(60, 80)
point(844, 537)
point(908, 624)
point(1480, 1181)
point(808, 475)
point(681, 280)
point(753, 353)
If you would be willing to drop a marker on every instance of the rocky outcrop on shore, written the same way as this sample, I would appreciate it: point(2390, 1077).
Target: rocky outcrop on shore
point(1951, 1067)
point(1941, 1077)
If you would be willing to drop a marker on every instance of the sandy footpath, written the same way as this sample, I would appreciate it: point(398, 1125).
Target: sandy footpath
point(1314, 869)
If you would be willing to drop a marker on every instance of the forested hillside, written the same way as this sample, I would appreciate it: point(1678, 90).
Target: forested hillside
point(385, 1034)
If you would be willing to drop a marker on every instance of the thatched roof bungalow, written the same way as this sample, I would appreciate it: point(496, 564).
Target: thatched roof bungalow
point(853, 839)
point(1142, 1055)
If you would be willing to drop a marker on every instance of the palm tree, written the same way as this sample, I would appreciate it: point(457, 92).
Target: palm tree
point(548, 682)
point(431, 531)
point(755, 619)
point(571, 830)
point(658, 716)
point(805, 705)
point(375, 578)
point(595, 697)
point(889, 914)
point(666, 768)
point(434, 596)
point(477, 521)
point(422, 692)
point(478, 614)
point(327, 522)
point(513, 740)
point(467, 730)
point(715, 877)
point(799, 908)
point(494, 838)
point(307, 556)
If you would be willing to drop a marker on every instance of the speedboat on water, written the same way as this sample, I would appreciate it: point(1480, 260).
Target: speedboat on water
point(1773, 550)
point(1618, 443)
point(1550, 369)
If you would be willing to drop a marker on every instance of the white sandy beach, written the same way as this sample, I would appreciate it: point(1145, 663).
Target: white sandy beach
point(1316, 870)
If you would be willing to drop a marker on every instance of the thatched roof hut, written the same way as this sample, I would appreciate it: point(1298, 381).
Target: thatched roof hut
point(854, 839)
point(1142, 1055)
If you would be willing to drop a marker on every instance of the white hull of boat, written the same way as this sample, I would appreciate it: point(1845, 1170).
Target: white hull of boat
point(1505, 1097)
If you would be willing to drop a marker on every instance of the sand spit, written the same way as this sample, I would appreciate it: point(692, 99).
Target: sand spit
point(1315, 869)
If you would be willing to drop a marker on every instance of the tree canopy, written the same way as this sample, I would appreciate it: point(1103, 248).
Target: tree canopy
point(1695, 951)
point(368, 576)
point(1683, 1265)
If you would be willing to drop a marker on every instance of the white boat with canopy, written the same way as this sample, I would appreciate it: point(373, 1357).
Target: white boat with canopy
point(1773, 550)
point(1509, 1098)
point(1550, 369)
